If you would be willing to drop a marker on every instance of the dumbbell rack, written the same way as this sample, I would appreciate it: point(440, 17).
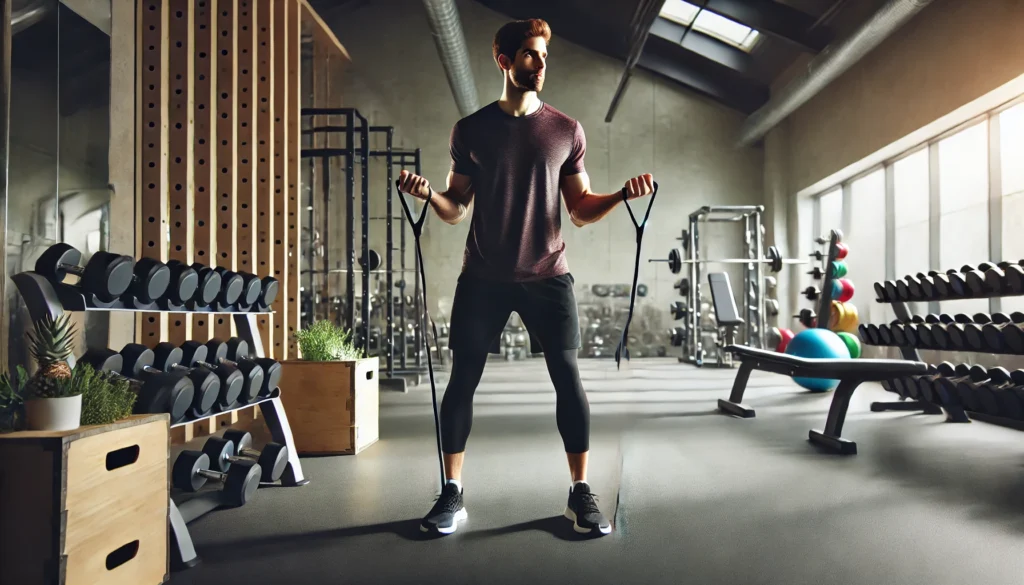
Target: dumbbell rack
point(43, 298)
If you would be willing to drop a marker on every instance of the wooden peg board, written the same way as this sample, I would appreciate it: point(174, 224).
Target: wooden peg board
point(205, 244)
point(181, 51)
point(264, 153)
point(226, 146)
point(280, 114)
point(294, 237)
point(152, 91)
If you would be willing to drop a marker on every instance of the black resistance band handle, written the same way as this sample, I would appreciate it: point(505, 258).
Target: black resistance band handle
point(417, 229)
point(622, 351)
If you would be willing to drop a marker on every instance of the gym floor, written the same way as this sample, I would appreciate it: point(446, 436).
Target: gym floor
point(696, 496)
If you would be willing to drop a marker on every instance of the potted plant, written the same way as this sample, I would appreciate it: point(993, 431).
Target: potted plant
point(12, 401)
point(330, 393)
point(53, 402)
point(106, 398)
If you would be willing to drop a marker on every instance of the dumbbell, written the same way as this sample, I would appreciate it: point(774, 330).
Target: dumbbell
point(1004, 336)
point(208, 282)
point(157, 392)
point(252, 289)
point(236, 446)
point(232, 381)
point(811, 293)
point(915, 287)
point(927, 384)
point(139, 359)
point(678, 310)
point(232, 286)
point(807, 318)
point(253, 376)
point(1005, 278)
point(184, 283)
point(192, 471)
point(150, 279)
point(106, 276)
point(268, 294)
point(238, 351)
point(996, 396)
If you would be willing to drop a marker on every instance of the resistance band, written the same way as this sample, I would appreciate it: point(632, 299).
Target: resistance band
point(622, 351)
point(417, 229)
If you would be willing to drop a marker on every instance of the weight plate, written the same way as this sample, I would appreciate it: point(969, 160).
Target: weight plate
point(675, 261)
point(775, 259)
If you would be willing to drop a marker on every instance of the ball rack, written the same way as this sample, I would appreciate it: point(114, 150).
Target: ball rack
point(43, 297)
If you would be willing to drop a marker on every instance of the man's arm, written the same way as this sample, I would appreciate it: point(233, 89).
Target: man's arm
point(452, 204)
point(586, 207)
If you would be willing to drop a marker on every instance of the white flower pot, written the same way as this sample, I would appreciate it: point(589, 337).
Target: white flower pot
point(53, 414)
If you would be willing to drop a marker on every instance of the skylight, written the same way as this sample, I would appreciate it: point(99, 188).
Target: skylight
point(709, 23)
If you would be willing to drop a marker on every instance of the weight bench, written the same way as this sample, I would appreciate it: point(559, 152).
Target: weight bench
point(726, 315)
point(850, 374)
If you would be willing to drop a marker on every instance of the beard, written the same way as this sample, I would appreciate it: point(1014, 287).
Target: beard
point(527, 81)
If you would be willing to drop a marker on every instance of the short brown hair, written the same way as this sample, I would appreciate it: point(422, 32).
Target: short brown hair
point(509, 38)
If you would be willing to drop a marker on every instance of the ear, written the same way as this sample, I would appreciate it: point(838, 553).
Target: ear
point(503, 62)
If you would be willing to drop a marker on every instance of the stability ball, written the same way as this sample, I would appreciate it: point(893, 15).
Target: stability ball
point(852, 343)
point(817, 343)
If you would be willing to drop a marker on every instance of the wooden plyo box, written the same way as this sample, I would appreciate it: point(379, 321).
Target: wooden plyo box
point(332, 406)
point(88, 506)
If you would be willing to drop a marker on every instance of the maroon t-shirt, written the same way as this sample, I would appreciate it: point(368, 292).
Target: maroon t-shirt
point(516, 165)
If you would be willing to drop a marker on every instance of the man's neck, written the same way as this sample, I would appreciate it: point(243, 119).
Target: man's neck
point(516, 102)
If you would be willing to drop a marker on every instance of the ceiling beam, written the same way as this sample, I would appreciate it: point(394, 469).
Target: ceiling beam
point(775, 19)
point(739, 94)
point(704, 45)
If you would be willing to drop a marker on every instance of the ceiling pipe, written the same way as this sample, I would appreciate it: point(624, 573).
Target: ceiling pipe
point(446, 29)
point(835, 60)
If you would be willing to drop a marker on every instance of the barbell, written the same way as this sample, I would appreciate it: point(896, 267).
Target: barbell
point(773, 259)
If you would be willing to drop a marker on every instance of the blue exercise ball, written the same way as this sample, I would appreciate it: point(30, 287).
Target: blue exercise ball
point(817, 344)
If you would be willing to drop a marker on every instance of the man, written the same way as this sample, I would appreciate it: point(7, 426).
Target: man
point(510, 160)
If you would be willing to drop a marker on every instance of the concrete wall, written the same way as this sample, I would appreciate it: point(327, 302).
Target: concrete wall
point(949, 55)
point(684, 140)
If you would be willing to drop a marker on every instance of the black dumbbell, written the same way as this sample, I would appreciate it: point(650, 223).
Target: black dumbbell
point(885, 334)
point(678, 310)
point(157, 392)
point(195, 354)
point(914, 288)
point(150, 279)
point(1004, 337)
point(184, 283)
point(106, 276)
point(192, 471)
point(252, 289)
point(232, 286)
point(807, 317)
point(238, 351)
point(210, 284)
point(253, 375)
point(927, 285)
point(158, 361)
point(996, 396)
point(957, 284)
point(268, 294)
point(928, 387)
point(273, 458)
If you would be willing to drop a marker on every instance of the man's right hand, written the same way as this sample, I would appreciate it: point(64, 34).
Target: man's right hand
point(414, 185)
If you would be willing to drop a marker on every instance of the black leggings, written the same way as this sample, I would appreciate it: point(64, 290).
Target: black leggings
point(572, 411)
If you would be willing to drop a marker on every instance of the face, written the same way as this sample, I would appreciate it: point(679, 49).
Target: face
point(530, 67)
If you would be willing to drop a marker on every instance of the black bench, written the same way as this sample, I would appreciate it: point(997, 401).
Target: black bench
point(850, 373)
point(727, 317)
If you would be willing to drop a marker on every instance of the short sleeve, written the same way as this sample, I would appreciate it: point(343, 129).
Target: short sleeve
point(462, 163)
point(574, 163)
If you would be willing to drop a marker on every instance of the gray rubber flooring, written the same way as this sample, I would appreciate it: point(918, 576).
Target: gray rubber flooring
point(697, 497)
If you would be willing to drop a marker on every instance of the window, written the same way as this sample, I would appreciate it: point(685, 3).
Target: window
point(963, 203)
point(911, 209)
point(831, 206)
point(865, 237)
point(1011, 153)
point(709, 23)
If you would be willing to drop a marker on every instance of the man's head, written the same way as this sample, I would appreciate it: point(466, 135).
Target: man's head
point(521, 52)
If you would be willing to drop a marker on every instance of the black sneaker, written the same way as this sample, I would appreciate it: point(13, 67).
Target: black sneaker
point(582, 510)
point(447, 511)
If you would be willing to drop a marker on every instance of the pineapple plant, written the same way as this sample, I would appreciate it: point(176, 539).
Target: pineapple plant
point(50, 344)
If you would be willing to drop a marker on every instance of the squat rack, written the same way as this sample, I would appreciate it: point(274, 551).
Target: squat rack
point(403, 159)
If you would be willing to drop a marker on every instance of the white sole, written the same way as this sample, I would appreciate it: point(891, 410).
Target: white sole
point(581, 530)
point(460, 515)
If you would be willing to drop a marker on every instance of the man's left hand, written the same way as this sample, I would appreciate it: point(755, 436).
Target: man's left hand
point(639, 186)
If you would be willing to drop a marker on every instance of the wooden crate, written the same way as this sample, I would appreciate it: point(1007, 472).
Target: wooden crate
point(332, 406)
point(87, 506)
